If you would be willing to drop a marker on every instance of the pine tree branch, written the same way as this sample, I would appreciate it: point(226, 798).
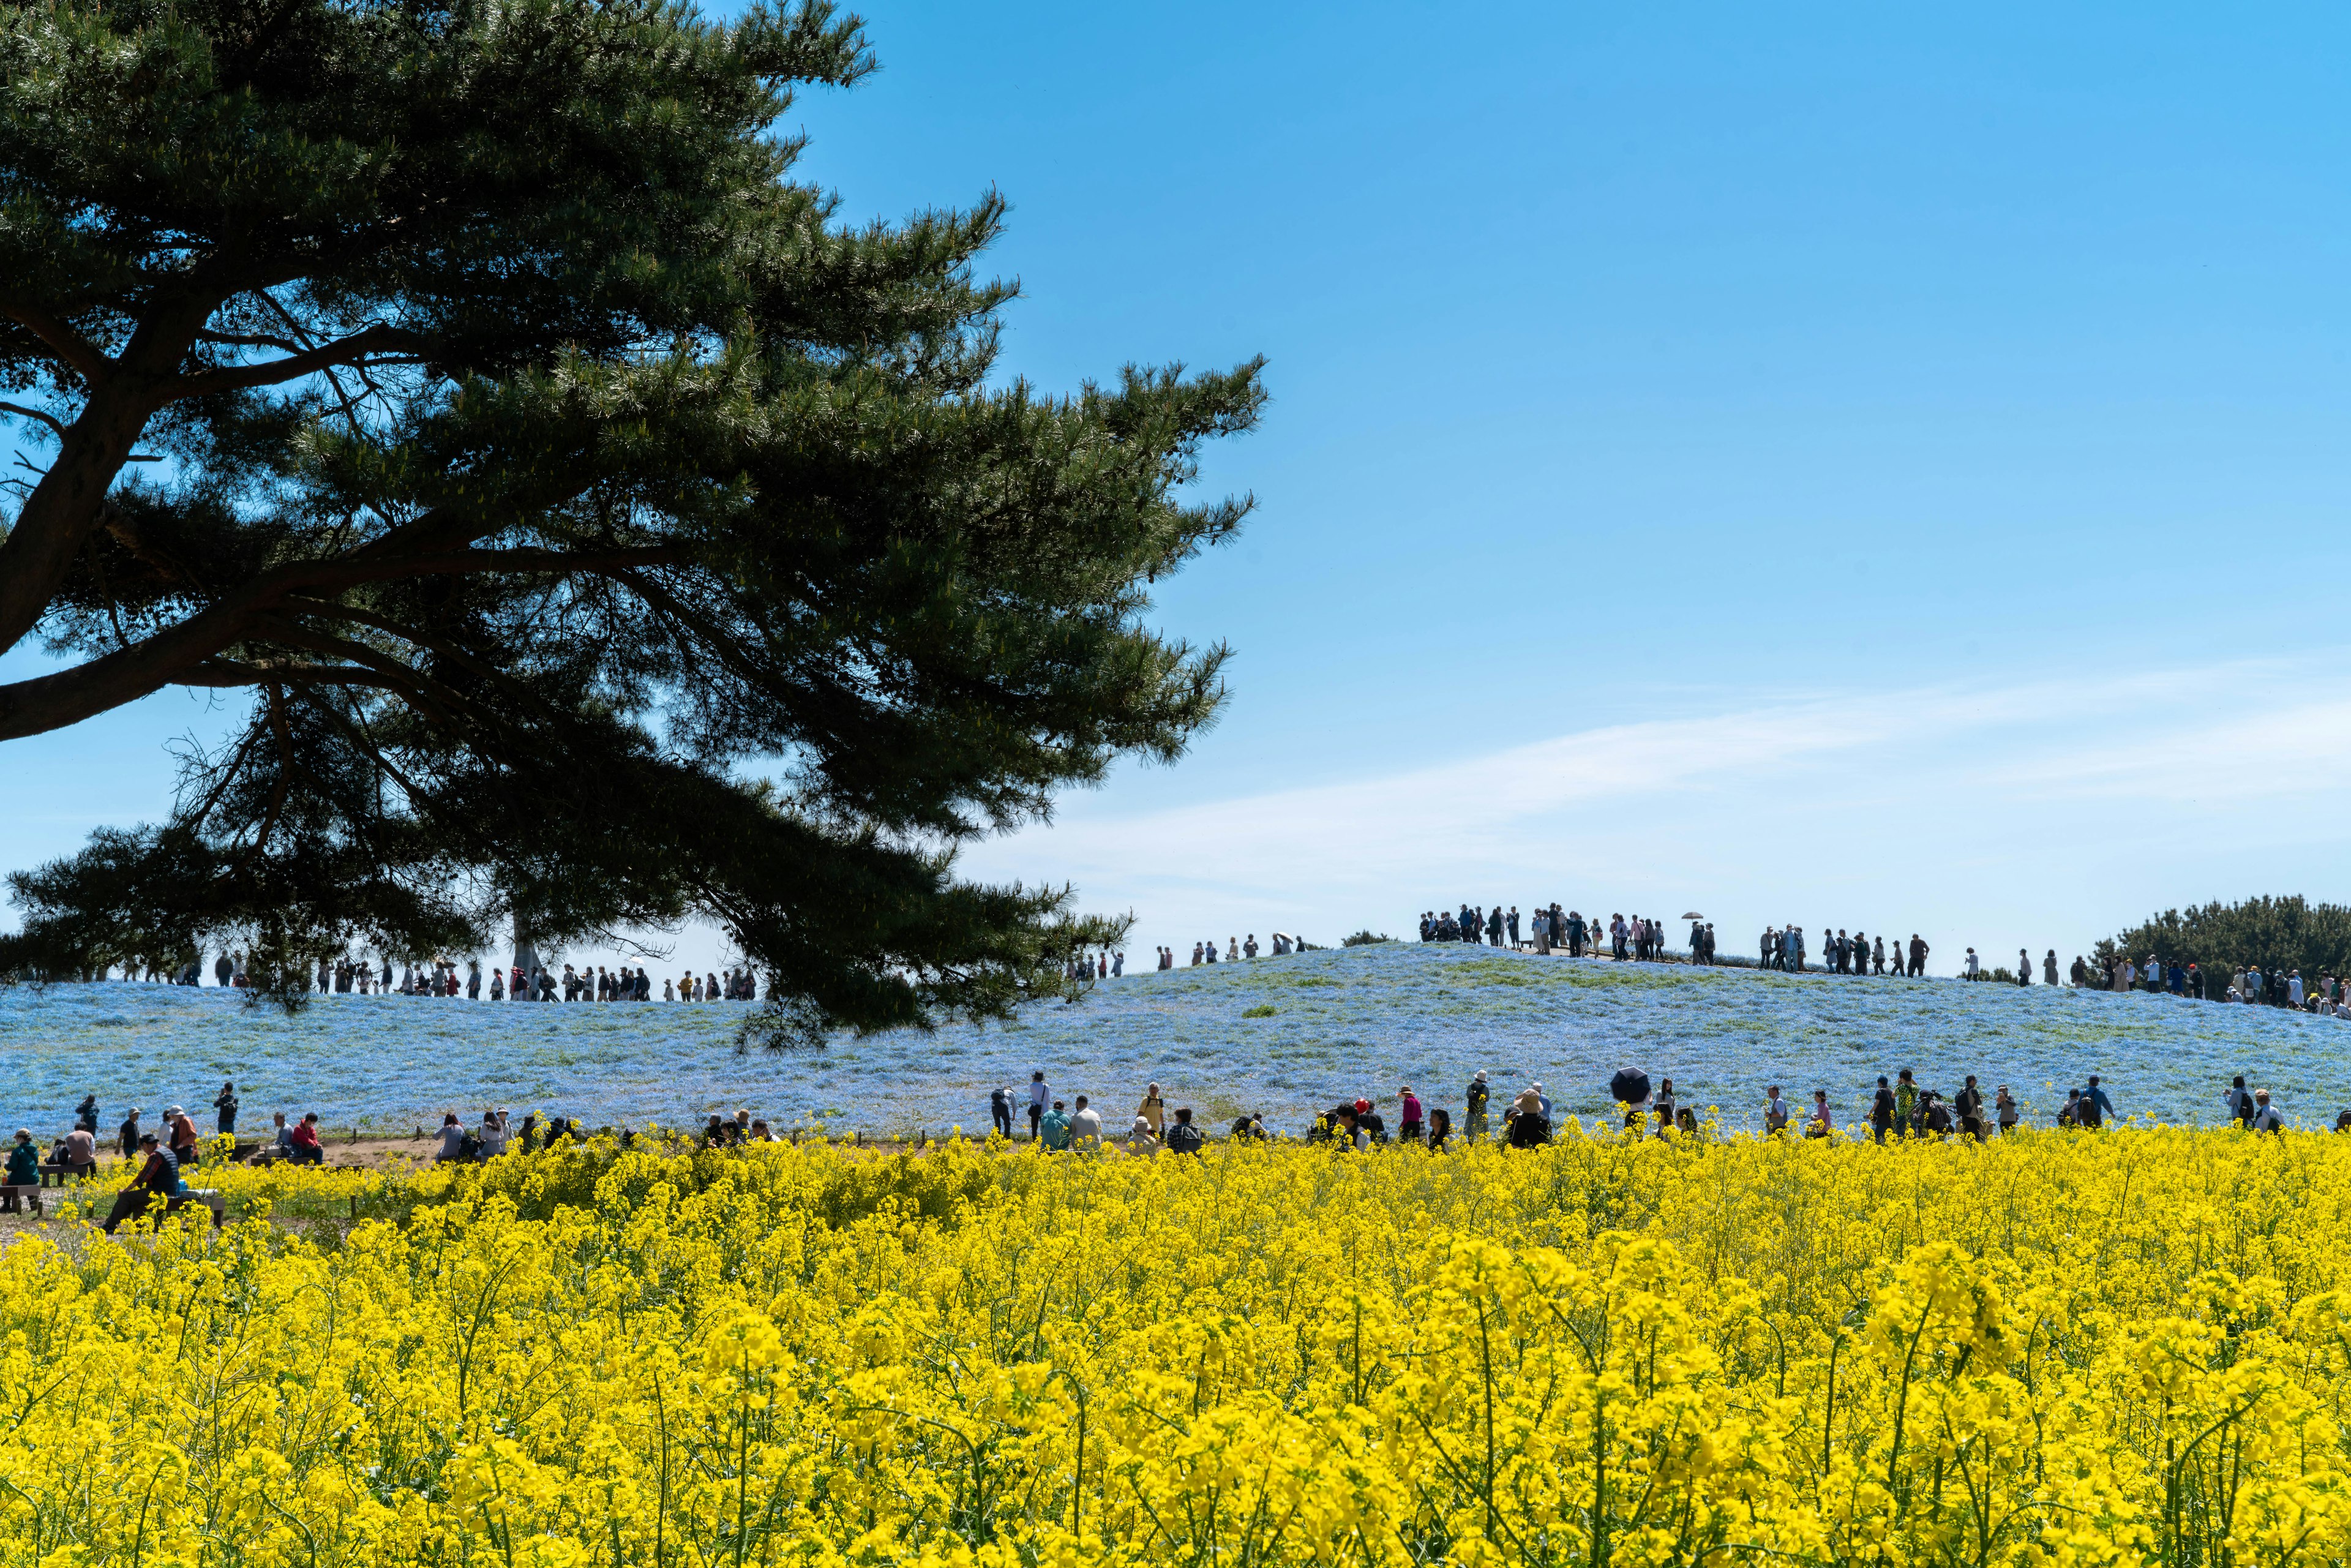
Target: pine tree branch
point(375, 345)
point(67, 345)
point(51, 702)
point(227, 673)
point(55, 427)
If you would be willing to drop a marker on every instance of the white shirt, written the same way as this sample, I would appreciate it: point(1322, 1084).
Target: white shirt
point(1086, 1123)
point(1038, 1094)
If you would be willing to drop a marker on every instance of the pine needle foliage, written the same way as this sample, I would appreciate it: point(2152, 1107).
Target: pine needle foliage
point(596, 532)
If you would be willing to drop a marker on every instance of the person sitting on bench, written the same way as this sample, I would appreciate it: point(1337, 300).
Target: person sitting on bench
point(307, 1151)
point(158, 1179)
point(24, 1170)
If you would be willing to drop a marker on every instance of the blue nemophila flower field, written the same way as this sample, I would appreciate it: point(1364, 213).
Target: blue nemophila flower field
point(1347, 1023)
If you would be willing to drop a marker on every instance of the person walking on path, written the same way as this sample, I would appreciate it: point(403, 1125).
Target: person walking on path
point(1775, 1113)
point(2049, 969)
point(1917, 955)
point(2004, 1106)
point(1407, 1114)
point(129, 1134)
point(1037, 1095)
point(225, 1109)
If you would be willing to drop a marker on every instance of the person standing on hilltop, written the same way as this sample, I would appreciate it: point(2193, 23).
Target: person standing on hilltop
point(1917, 955)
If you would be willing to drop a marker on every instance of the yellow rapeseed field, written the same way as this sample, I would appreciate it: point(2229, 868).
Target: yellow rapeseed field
point(2080, 1348)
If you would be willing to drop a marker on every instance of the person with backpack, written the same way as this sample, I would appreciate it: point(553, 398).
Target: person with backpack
point(2265, 1118)
point(1475, 1102)
point(1881, 1111)
point(2241, 1102)
point(1969, 1105)
point(1184, 1138)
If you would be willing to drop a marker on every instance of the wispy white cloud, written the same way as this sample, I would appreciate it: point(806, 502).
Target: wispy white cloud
point(1902, 793)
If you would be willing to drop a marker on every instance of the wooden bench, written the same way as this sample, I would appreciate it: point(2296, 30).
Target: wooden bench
point(61, 1172)
point(208, 1197)
point(25, 1193)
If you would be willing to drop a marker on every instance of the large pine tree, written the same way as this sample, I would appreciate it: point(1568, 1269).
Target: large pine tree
point(600, 534)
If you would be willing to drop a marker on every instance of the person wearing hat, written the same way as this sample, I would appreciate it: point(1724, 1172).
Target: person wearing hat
point(1369, 1128)
point(1526, 1118)
point(183, 1136)
point(24, 1169)
point(1140, 1139)
point(157, 1181)
point(1475, 1099)
point(1408, 1111)
point(130, 1133)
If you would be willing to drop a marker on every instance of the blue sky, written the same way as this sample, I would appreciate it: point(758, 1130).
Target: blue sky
point(1828, 463)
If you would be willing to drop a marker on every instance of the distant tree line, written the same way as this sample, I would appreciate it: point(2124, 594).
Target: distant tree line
point(2273, 934)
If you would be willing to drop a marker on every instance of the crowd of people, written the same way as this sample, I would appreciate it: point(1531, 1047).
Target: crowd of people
point(439, 977)
point(1896, 1109)
point(1550, 929)
point(1277, 944)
